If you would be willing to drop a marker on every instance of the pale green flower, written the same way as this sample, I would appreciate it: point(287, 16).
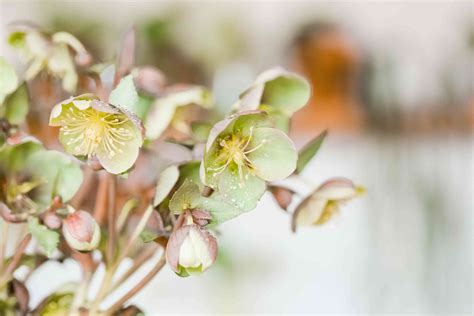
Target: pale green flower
point(279, 92)
point(244, 151)
point(92, 128)
point(164, 111)
point(49, 52)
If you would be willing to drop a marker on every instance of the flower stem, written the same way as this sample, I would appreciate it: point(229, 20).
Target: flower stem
point(139, 286)
point(100, 207)
point(84, 189)
point(15, 259)
point(111, 218)
point(4, 243)
point(138, 262)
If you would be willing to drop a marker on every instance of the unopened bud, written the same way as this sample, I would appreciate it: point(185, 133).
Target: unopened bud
point(191, 250)
point(81, 231)
point(51, 220)
point(150, 80)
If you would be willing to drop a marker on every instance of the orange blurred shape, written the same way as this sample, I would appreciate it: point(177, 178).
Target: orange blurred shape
point(330, 61)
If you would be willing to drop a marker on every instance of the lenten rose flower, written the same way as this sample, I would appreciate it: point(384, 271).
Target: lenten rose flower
point(242, 153)
point(92, 128)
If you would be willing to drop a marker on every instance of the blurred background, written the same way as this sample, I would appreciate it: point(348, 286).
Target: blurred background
point(393, 83)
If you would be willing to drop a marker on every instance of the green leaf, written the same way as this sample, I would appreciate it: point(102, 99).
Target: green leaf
point(309, 151)
point(47, 239)
point(49, 173)
point(275, 156)
point(8, 79)
point(59, 175)
point(16, 105)
point(166, 182)
point(14, 158)
point(125, 95)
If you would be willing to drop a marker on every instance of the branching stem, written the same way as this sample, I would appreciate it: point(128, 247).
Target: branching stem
point(15, 259)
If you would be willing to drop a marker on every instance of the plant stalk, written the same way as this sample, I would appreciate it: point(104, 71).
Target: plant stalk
point(139, 286)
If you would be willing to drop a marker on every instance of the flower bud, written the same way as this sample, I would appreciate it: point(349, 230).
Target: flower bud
point(51, 220)
point(324, 202)
point(191, 250)
point(81, 231)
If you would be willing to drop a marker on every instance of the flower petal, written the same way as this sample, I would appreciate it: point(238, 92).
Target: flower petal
point(274, 156)
point(308, 211)
point(166, 182)
point(337, 189)
point(117, 155)
point(242, 192)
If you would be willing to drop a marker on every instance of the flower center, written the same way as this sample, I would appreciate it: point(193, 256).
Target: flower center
point(93, 133)
point(90, 128)
point(234, 149)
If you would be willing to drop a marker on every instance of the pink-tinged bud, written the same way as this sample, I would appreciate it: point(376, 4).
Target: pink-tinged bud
point(81, 231)
point(191, 250)
point(150, 79)
point(51, 220)
point(324, 202)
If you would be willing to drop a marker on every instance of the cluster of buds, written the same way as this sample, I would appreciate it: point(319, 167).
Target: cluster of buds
point(191, 248)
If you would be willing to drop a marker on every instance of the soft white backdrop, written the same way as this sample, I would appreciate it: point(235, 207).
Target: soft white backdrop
point(405, 247)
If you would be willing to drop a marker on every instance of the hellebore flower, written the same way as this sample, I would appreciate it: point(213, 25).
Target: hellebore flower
point(242, 152)
point(164, 111)
point(278, 92)
point(49, 52)
point(191, 249)
point(92, 128)
point(81, 231)
point(324, 202)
